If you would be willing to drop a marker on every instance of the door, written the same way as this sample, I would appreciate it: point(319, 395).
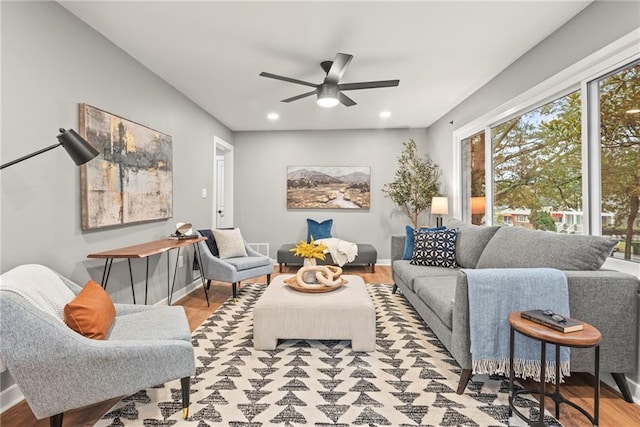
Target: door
point(219, 195)
point(222, 184)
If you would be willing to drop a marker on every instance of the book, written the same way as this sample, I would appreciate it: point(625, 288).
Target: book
point(539, 316)
point(183, 236)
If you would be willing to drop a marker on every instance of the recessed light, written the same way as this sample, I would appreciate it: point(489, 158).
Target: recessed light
point(385, 114)
point(633, 111)
point(273, 116)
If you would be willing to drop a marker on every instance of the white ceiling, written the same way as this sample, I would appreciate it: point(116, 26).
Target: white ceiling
point(213, 51)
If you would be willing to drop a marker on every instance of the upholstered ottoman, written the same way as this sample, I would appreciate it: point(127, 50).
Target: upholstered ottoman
point(344, 314)
point(367, 255)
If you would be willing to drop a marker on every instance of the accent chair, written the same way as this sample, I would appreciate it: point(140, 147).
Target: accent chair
point(58, 369)
point(235, 269)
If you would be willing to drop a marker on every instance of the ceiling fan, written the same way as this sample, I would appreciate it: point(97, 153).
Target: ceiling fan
point(329, 92)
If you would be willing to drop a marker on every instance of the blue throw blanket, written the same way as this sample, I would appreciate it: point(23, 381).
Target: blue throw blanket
point(493, 294)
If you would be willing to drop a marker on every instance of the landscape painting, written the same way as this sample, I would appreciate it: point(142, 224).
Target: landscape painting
point(328, 187)
point(132, 178)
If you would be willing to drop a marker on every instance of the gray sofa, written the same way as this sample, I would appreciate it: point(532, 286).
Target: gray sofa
point(605, 299)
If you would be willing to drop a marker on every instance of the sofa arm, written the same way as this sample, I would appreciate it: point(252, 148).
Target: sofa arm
point(213, 268)
point(607, 300)
point(461, 334)
point(397, 246)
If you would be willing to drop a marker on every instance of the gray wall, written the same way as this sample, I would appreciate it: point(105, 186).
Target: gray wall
point(260, 184)
point(588, 32)
point(51, 62)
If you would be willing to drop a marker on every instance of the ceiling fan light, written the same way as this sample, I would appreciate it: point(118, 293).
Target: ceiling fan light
point(328, 96)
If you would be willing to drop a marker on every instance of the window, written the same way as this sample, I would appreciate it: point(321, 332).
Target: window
point(570, 165)
point(537, 164)
point(473, 190)
point(619, 115)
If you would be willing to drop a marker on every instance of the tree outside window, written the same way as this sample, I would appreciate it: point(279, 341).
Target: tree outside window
point(619, 95)
point(537, 166)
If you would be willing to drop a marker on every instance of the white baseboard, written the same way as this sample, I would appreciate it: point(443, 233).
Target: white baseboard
point(10, 397)
point(182, 292)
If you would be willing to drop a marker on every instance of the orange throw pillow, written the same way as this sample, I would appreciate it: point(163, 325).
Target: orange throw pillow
point(91, 313)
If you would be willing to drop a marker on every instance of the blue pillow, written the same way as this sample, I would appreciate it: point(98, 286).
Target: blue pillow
point(409, 240)
point(319, 230)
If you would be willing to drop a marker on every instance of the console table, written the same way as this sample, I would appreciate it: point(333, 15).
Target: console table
point(145, 250)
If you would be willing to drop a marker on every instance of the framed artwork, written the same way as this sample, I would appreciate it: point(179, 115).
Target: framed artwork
point(328, 187)
point(132, 178)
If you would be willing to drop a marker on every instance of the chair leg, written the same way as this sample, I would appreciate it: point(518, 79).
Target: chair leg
point(208, 284)
point(55, 420)
point(186, 389)
point(268, 279)
point(234, 286)
point(395, 288)
point(465, 376)
point(621, 382)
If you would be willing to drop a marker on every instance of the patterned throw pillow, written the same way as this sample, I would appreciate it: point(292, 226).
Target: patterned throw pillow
point(435, 248)
point(408, 241)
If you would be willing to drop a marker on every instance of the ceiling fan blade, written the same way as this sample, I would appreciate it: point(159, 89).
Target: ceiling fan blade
point(338, 68)
point(346, 101)
point(369, 85)
point(287, 79)
point(295, 98)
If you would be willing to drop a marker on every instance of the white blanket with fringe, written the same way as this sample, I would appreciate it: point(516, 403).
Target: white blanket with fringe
point(341, 251)
point(493, 294)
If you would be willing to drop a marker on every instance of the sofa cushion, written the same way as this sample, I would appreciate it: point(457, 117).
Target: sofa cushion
point(248, 262)
point(407, 272)
point(143, 325)
point(438, 294)
point(435, 248)
point(521, 248)
point(409, 242)
point(471, 241)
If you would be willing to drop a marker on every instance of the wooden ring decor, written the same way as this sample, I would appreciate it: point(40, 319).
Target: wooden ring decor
point(328, 276)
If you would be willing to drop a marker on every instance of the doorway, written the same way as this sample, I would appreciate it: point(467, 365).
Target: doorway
point(222, 184)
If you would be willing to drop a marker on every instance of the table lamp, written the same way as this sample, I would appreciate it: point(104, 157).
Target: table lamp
point(439, 207)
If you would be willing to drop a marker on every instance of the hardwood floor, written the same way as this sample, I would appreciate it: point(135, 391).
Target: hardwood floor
point(614, 411)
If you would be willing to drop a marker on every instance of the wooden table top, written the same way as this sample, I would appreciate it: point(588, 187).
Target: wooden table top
point(143, 250)
point(589, 336)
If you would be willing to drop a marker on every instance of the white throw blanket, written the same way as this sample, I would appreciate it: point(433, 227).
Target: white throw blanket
point(341, 251)
point(493, 294)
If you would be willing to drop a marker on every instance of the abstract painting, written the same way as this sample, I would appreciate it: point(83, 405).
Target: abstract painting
point(132, 178)
point(328, 187)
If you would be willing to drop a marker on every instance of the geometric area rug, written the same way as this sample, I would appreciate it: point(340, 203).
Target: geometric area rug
point(409, 380)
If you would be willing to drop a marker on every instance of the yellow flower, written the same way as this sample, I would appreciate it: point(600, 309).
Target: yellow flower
point(309, 250)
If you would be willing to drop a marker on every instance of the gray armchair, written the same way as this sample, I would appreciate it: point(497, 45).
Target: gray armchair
point(233, 270)
point(57, 369)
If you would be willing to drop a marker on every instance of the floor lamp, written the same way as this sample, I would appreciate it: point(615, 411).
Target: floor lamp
point(439, 207)
point(79, 149)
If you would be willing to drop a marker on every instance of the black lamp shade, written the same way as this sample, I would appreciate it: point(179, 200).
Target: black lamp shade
point(79, 149)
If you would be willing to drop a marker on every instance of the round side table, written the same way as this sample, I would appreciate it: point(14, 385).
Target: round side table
point(588, 337)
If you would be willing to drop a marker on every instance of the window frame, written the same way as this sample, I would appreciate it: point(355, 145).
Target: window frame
point(582, 76)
